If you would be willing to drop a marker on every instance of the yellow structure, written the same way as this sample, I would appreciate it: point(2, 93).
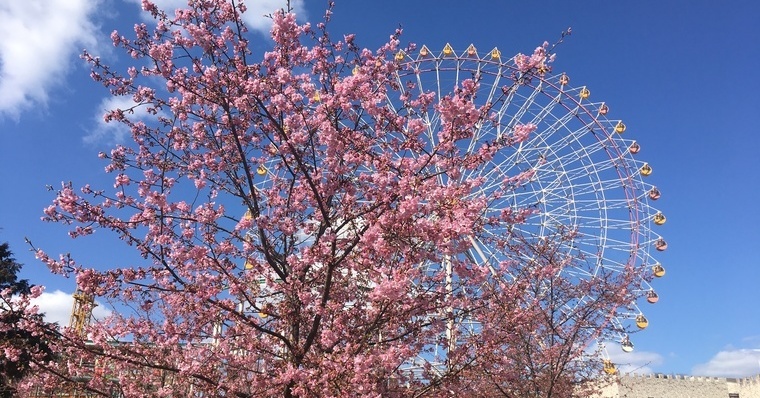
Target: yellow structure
point(81, 312)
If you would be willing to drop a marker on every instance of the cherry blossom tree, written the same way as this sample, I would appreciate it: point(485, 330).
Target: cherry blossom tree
point(551, 350)
point(24, 336)
point(303, 233)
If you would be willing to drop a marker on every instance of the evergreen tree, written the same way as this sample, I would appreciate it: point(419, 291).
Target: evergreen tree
point(19, 345)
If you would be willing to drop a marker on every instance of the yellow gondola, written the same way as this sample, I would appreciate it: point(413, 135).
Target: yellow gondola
point(609, 367)
point(585, 93)
point(646, 169)
point(658, 270)
point(641, 321)
point(620, 127)
point(448, 50)
point(659, 219)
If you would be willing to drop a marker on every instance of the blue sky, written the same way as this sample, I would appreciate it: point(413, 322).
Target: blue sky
point(682, 74)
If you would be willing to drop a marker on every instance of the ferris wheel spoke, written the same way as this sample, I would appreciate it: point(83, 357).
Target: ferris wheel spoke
point(578, 177)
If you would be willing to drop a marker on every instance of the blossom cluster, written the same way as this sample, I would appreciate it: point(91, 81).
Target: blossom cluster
point(304, 230)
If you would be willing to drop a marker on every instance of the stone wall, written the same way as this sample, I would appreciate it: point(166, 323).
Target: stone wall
point(679, 386)
point(746, 388)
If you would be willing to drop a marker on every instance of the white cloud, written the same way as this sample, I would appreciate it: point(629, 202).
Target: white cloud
point(114, 132)
point(39, 40)
point(57, 307)
point(638, 362)
point(731, 363)
point(255, 17)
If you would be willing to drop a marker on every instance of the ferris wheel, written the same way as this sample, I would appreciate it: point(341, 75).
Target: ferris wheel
point(583, 173)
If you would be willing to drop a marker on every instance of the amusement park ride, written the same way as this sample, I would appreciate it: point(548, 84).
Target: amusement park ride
point(81, 312)
point(81, 316)
point(584, 174)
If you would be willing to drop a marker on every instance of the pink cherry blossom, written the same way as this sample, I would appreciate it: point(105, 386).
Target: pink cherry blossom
point(296, 230)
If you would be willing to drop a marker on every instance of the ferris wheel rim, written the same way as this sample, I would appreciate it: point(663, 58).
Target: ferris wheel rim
point(635, 189)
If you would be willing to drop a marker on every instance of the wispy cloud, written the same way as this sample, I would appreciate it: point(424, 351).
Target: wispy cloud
point(39, 41)
point(731, 362)
point(638, 362)
point(256, 17)
point(114, 132)
point(58, 304)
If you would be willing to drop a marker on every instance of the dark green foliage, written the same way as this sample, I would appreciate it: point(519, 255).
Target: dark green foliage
point(33, 344)
point(8, 270)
